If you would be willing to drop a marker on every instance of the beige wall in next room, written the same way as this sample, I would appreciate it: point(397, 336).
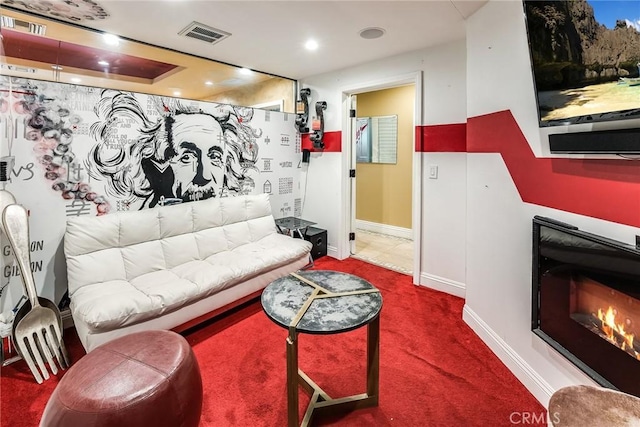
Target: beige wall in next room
point(383, 191)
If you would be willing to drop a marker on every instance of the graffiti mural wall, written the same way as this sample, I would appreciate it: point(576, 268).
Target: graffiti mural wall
point(75, 150)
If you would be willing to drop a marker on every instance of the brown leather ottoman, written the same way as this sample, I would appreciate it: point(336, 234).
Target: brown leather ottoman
point(147, 378)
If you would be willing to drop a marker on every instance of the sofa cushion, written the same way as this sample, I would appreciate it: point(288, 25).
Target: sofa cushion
point(111, 304)
point(180, 249)
point(237, 234)
point(94, 267)
point(208, 278)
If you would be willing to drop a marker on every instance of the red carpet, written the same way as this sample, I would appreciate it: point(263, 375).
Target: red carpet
point(434, 371)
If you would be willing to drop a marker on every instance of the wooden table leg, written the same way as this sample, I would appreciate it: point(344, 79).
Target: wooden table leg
point(292, 378)
point(373, 359)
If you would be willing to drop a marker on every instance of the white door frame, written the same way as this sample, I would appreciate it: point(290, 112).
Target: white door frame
point(347, 220)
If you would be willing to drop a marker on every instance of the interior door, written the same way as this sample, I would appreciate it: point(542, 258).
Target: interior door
point(353, 100)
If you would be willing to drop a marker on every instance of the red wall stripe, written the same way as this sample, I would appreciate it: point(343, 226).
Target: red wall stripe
point(332, 142)
point(599, 188)
point(435, 138)
point(608, 189)
point(449, 138)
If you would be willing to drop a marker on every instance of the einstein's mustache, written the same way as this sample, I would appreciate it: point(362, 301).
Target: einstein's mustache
point(192, 192)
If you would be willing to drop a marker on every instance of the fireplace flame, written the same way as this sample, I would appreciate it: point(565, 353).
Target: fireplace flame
point(615, 332)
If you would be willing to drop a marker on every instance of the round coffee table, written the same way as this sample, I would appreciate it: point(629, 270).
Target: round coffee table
point(324, 302)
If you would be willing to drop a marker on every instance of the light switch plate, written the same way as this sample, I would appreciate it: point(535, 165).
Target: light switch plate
point(433, 171)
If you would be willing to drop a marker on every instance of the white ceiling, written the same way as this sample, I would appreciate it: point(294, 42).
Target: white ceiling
point(269, 36)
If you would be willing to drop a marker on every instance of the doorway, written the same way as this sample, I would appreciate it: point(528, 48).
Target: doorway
point(406, 234)
point(384, 150)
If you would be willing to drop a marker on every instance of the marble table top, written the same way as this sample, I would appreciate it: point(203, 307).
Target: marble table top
point(321, 301)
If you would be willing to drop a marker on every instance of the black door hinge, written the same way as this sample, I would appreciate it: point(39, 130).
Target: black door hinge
point(352, 236)
point(352, 113)
point(352, 173)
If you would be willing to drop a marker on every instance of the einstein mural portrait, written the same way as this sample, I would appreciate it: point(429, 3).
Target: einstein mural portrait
point(174, 153)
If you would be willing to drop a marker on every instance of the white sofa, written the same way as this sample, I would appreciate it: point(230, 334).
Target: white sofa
point(173, 266)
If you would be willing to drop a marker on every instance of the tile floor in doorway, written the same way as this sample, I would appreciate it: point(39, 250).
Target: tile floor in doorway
point(394, 253)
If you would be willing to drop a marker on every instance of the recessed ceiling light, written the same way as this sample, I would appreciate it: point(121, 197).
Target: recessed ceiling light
point(176, 93)
point(103, 63)
point(76, 80)
point(311, 45)
point(111, 40)
point(372, 33)
point(208, 83)
point(245, 71)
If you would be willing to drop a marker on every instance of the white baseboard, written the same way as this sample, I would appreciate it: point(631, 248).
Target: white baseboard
point(332, 251)
point(536, 385)
point(390, 230)
point(441, 284)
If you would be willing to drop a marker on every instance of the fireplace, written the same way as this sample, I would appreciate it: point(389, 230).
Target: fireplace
point(586, 301)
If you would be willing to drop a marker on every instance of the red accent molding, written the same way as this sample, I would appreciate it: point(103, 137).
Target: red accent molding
point(599, 188)
point(449, 138)
point(332, 142)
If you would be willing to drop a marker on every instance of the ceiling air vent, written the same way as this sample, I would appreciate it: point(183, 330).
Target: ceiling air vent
point(199, 31)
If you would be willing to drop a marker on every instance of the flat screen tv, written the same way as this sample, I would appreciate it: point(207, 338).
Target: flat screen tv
point(585, 56)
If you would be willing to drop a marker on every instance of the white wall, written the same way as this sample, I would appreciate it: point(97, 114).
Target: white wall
point(499, 72)
point(476, 229)
point(443, 102)
point(444, 212)
point(444, 90)
point(498, 279)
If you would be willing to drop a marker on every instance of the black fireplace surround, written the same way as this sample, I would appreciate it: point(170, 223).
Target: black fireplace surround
point(573, 273)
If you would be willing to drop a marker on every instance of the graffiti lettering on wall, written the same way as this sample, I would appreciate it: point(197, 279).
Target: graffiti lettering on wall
point(14, 270)
point(285, 209)
point(77, 207)
point(285, 185)
point(34, 246)
point(11, 270)
point(266, 165)
point(297, 208)
point(23, 173)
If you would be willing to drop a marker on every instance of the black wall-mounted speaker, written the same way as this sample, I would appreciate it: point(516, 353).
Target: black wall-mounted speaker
point(306, 154)
point(616, 141)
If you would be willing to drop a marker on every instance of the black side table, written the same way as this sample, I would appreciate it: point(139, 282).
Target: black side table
point(291, 225)
point(324, 302)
